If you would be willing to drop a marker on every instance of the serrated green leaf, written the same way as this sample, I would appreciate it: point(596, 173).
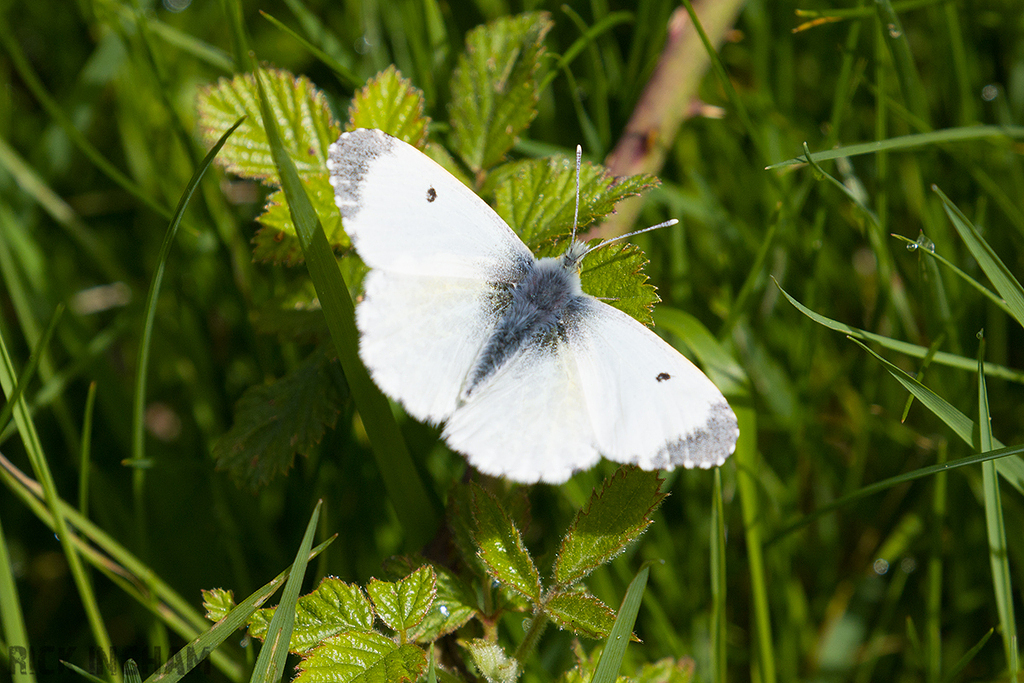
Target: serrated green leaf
point(494, 87)
point(276, 242)
point(334, 607)
point(500, 546)
point(615, 275)
point(581, 613)
point(403, 604)
point(218, 602)
point(537, 197)
point(300, 110)
point(492, 662)
point(275, 422)
point(453, 604)
point(366, 657)
point(615, 517)
point(390, 103)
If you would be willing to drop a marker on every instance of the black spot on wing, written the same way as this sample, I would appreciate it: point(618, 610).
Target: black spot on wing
point(431, 194)
point(349, 160)
point(663, 376)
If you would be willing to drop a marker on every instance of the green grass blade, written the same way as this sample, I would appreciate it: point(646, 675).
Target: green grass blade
point(608, 22)
point(1002, 279)
point(997, 550)
point(29, 371)
point(968, 656)
point(615, 649)
point(343, 73)
point(1012, 469)
point(146, 338)
point(85, 459)
point(270, 663)
point(32, 80)
point(747, 468)
point(718, 583)
point(12, 618)
point(407, 491)
point(933, 614)
point(903, 59)
point(905, 142)
point(41, 467)
point(87, 675)
point(877, 487)
point(982, 289)
point(914, 350)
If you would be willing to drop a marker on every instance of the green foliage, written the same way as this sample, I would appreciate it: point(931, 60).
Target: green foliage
point(858, 536)
point(275, 421)
point(611, 521)
point(537, 197)
point(390, 103)
point(335, 629)
point(494, 87)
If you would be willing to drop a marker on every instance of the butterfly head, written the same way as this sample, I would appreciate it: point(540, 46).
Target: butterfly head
point(573, 257)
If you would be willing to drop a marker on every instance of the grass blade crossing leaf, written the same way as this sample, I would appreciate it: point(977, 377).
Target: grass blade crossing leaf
point(406, 490)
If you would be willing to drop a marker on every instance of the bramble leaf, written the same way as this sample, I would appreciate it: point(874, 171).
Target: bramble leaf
point(276, 242)
point(492, 662)
point(274, 422)
point(301, 111)
point(614, 518)
point(218, 602)
point(307, 130)
point(582, 613)
point(390, 103)
point(362, 657)
point(403, 604)
point(453, 603)
point(333, 607)
point(494, 87)
point(537, 197)
point(501, 546)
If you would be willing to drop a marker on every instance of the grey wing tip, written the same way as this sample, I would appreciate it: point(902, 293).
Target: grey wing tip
point(708, 446)
point(349, 159)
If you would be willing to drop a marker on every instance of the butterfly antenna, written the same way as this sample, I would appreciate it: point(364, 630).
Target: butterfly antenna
point(610, 240)
point(576, 214)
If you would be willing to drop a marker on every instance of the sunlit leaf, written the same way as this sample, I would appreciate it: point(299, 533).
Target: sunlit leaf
point(362, 657)
point(390, 103)
point(615, 517)
point(537, 197)
point(501, 546)
point(494, 87)
point(581, 613)
point(403, 604)
point(334, 607)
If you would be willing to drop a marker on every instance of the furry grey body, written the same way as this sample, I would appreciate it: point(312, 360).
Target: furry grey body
point(537, 310)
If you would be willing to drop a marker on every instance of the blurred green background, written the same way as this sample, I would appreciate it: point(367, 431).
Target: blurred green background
point(98, 140)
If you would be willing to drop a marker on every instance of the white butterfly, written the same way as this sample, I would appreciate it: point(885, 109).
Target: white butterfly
point(533, 378)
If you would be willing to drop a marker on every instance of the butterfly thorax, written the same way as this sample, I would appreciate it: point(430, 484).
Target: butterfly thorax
point(540, 307)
